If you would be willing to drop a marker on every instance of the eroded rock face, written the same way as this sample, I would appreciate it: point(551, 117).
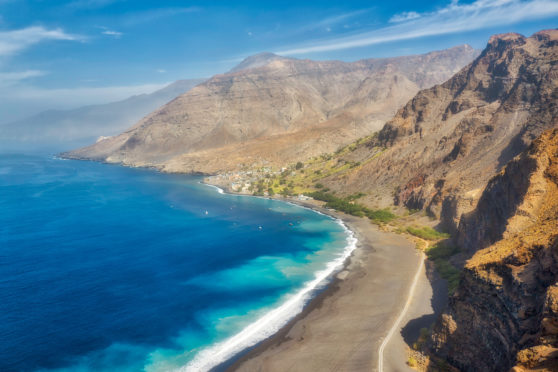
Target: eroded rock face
point(455, 136)
point(275, 110)
point(505, 311)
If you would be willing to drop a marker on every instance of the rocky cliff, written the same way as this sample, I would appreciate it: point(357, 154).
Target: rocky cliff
point(273, 110)
point(441, 148)
point(505, 310)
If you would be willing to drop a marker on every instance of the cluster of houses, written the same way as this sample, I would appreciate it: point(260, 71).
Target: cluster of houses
point(245, 182)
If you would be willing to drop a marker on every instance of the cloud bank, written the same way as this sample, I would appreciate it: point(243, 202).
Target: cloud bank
point(453, 18)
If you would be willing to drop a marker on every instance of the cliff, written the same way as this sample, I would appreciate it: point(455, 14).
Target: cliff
point(505, 310)
point(274, 110)
point(441, 148)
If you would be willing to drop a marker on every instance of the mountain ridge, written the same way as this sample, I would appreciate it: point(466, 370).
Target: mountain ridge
point(330, 100)
point(444, 144)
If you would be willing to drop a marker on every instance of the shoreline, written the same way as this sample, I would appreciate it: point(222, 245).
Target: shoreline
point(372, 259)
point(268, 354)
point(273, 321)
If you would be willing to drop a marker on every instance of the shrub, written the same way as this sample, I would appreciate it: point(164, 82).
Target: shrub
point(380, 215)
point(440, 254)
point(348, 206)
point(287, 191)
point(318, 186)
point(299, 165)
point(355, 196)
point(427, 233)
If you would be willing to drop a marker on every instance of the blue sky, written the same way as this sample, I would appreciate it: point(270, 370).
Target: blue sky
point(63, 54)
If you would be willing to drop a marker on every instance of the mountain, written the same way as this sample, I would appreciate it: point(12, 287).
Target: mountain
point(505, 310)
point(272, 110)
point(441, 148)
point(70, 128)
point(257, 60)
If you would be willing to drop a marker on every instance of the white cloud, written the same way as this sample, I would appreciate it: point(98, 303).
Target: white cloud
point(326, 23)
point(453, 18)
point(115, 34)
point(161, 70)
point(14, 41)
point(405, 16)
point(13, 77)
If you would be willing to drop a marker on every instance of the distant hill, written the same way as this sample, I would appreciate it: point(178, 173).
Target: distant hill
point(270, 110)
point(64, 129)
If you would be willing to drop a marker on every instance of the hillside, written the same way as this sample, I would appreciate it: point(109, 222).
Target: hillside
point(271, 110)
point(78, 127)
point(505, 311)
point(440, 149)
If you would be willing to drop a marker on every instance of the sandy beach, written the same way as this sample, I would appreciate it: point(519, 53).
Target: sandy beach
point(342, 328)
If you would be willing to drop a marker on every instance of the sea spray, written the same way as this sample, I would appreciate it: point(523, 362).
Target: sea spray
point(271, 322)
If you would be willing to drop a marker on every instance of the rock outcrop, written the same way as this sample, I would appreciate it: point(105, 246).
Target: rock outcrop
point(504, 313)
point(446, 142)
point(274, 110)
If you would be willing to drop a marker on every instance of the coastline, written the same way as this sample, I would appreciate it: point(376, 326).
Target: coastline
point(295, 347)
point(263, 328)
point(361, 319)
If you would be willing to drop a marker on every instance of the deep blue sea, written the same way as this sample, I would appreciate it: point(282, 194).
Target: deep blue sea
point(106, 268)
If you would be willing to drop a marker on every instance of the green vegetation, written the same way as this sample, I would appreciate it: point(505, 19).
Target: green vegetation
point(440, 254)
point(412, 362)
point(427, 233)
point(380, 215)
point(355, 196)
point(299, 165)
point(423, 337)
point(348, 206)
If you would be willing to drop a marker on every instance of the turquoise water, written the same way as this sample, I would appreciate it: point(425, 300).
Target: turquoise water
point(105, 268)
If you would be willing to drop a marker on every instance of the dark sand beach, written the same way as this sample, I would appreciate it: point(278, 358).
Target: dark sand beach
point(342, 328)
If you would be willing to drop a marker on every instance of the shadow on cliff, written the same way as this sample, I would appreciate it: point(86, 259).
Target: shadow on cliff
point(438, 302)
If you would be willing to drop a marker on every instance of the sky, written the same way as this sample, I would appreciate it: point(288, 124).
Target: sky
point(65, 54)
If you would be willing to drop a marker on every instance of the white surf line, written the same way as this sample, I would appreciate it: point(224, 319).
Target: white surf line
point(395, 325)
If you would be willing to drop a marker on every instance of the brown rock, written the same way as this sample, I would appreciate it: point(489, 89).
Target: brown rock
point(464, 130)
point(504, 312)
point(275, 110)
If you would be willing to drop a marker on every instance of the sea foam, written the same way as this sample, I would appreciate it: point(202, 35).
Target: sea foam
point(274, 320)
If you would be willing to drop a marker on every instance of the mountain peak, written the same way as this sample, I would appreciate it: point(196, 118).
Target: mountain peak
point(256, 60)
point(506, 40)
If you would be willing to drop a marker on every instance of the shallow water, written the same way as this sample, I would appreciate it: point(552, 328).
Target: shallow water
point(105, 268)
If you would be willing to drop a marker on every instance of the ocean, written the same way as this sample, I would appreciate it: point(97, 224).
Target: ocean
point(107, 268)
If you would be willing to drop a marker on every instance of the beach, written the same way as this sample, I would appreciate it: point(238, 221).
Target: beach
point(342, 328)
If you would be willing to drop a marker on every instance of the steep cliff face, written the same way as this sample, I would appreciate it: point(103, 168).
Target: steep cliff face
point(505, 311)
point(445, 143)
point(298, 108)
